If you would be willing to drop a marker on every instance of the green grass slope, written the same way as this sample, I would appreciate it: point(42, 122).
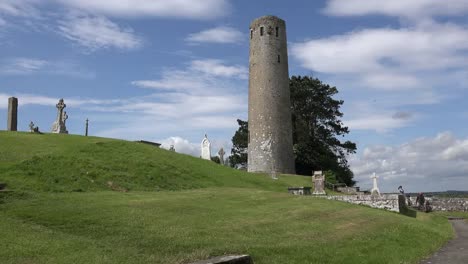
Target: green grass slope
point(179, 209)
point(50, 162)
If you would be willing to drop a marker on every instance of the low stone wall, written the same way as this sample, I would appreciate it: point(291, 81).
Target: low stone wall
point(445, 203)
point(385, 201)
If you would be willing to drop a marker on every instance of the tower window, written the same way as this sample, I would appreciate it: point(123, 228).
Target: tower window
point(261, 31)
point(279, 59)
point(277, 31)
point(251, 33)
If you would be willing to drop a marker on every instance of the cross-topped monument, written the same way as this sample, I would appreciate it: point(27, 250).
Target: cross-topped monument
point(59, 124)
point(221, 156)
point(375, 189)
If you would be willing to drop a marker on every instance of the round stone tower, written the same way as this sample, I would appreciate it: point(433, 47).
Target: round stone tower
point(270, 147)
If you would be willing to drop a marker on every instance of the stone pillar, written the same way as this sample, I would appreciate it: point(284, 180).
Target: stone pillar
point(86, 131)
point(12, 123)
point(270, 146)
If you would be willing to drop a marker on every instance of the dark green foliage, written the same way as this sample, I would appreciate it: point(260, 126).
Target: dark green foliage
point(216, 159)
point(239, 144)
point(317, 128)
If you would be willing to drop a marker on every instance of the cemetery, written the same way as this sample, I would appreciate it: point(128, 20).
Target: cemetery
point(68, 198)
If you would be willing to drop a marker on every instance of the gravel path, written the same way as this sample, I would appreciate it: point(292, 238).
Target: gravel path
point(456, 250)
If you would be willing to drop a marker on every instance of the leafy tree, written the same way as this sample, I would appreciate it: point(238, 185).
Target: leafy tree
point(239, 144)
point(317, 128)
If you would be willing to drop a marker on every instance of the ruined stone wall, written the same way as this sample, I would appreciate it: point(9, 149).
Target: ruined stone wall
point(385, 201)
point(445, 203)
point(270, 127)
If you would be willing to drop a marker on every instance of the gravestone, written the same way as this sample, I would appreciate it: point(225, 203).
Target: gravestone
point(375, 190)
point(33, 128)
point(12, 121)
point(59, 124)
point(230, 259)
point(206, 148)
point(221, 156)
point(319, 183)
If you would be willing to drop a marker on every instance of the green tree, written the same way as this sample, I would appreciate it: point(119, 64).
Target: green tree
point(239, 144)
point(317, 128)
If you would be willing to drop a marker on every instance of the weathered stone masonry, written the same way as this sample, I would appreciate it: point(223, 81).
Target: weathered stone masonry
point(12, 121)
point(270, 147)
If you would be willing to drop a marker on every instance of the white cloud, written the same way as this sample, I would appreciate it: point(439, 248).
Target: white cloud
point(217, 68)
point(191, 9)
point(402, 67)
point(201, 76)
point(28, 66)
point(22, 66)
point(97, 32)
point(433, 47)
point(181, 145)
point(425, 164)
point(216, 35)
point(173, 80)
point(24, 8)
point(34, 99)
point(400, 8)
point(203, 97)
point(380, 123)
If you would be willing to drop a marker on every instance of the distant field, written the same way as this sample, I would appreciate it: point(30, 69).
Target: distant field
point(95, 200)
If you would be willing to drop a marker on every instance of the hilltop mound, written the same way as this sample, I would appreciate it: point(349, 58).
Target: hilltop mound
point(54, 162)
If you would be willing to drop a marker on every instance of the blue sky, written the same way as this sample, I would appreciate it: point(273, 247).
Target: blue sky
point(171, 71)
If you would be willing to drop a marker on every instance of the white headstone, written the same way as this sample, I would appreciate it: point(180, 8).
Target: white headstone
point(206, 148)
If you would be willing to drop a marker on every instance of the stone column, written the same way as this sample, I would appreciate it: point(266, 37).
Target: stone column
point(86, 131)
point(12, 124)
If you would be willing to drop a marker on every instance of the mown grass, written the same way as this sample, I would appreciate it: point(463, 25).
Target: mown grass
point(164, 207)
point(178, 227)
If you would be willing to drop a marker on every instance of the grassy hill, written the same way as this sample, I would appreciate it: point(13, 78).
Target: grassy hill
point(63, 163)
point(94, 200)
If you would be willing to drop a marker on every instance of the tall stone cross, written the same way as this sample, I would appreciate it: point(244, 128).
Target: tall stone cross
point(221, 156)
point(375, 189)
point(59, 124)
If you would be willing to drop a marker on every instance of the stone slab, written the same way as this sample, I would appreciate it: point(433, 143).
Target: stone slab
point(300, 190)
point(231, 259)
